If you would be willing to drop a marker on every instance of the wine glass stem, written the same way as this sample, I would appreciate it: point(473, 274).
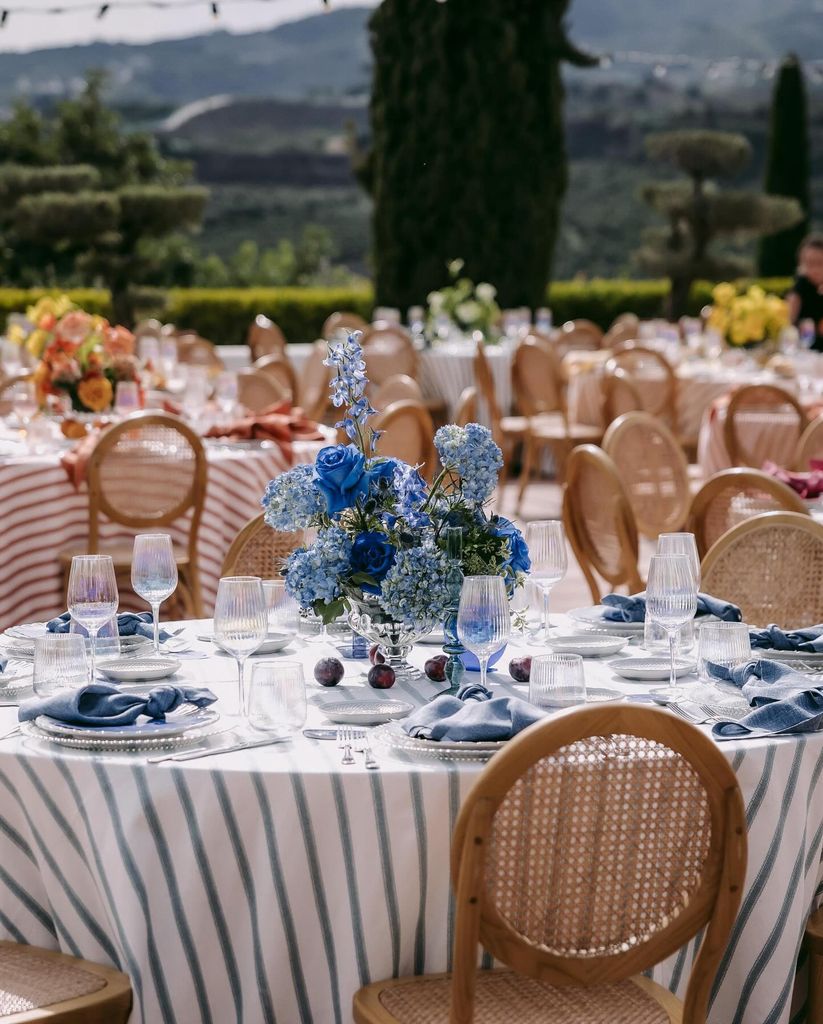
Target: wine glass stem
point(546, 627)
point(672, 657)
point(155, 615)
point(484, 664)
point(241, 687)
point(92, 631)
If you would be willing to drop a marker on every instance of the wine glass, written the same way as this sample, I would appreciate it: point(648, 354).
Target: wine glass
point(92, 596)
point(546, 541)
point(126, 397)
point(24, 404)
point(671, 601)
point(154, 574)
point(225, 393)
point(240, 623)
point(677, 544)
point(483, 618)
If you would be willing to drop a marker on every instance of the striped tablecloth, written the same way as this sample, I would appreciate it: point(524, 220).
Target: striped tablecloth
point(41, 514)
point(268, 885)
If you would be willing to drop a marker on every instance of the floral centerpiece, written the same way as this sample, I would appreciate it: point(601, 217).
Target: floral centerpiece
point(380, 551)
point(747, 318)
point(80, 355)
point(471, 307)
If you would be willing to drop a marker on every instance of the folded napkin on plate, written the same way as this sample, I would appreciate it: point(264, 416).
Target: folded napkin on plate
point(101, 704)
point(621, 608)
point(809, 639)
point(784, 701)
point(807, 485)
point(473, 715)
point(128, 624)
point(279, 423)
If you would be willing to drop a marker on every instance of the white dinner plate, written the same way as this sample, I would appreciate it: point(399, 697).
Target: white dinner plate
point(588, 645)
point(136, 670)
point(594, 616)
point(650, 669)
point(365, 712)
point(273, 644)
point(795, 658)
point(176, 723)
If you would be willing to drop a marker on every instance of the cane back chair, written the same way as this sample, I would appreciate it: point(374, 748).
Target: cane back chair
point(260, 550)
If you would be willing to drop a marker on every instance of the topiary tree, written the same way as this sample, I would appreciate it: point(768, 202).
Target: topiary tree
point(698, 213)
point(468, 158)
point(787, 166)
point(82, 202)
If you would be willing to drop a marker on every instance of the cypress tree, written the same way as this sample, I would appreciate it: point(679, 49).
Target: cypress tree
point(468, 159)
point(787, 166)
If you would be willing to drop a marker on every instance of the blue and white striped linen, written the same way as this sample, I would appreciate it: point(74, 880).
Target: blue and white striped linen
point(268, 885)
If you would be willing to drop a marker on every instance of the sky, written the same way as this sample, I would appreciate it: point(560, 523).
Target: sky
point(27, 30)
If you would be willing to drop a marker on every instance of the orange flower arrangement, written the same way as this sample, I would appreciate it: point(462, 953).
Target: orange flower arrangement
point(95, 393)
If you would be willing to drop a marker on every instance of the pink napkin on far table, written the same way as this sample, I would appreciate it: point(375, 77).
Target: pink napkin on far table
point(280, 423)
point(807, 485)
point(76, 460)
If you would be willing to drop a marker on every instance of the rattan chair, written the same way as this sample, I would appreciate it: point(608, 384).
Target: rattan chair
point(783, 412)
point(538, 385)
point(507, 431)
point(620, 333)
point(400, 387)
point(570, 339)
point(814, 945)
point(387, 351)
point(732, 497)
point(772, 567)
point(313, 387)
point(265, 338)
point(39, 986)
point(280, 369)
point(581, 326)
point(654, 472)
point(653, 377)
point(342, 321)
point(147, 472)
point(466, 411)
point(258, 389)
point(6, 386)
point(593, 847)
point(196, 351)
point(619, 395)
point(407, 434)
point(260, 550)
point(599, 522)
point(810, 445)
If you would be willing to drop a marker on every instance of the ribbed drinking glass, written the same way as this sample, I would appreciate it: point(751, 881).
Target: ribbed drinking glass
point(483, 618)
point(240, 623)
point(671, 601)
point(722, 643)
point(557, 680)
point(154, 574)
point(546, 541)
point(92, 596)
point(60, 663)
point(277, 697)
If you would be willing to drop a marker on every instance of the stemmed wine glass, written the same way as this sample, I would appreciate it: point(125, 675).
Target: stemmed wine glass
point(483, 619)
point(546, 541)
point(92, 596)
point(154, 574)
point(240, 623)
point(682, 544)
point(671, 601)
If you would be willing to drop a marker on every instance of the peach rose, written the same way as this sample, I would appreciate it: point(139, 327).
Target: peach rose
point(95, 393)
point(119, 341)
point(74, 326)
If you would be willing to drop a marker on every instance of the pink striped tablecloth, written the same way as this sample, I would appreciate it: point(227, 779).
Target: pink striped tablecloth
point(42, 515)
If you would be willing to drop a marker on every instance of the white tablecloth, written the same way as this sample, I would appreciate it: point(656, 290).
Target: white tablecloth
point(41, 514)
point(270, 884)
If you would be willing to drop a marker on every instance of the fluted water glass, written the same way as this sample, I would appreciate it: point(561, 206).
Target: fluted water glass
point(92, 596)
point(483, 618)
point(546, 541)
point(154, 574)
point(240, 623)
point(671, 602)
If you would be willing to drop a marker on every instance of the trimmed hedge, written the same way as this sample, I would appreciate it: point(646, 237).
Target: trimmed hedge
point(223, 314)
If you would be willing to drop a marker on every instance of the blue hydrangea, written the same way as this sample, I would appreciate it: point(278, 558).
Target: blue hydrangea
point(291, 499)
point(348, 386)
point(411, 493)
point(470, 452)
point(414, 591)
point(314, 573)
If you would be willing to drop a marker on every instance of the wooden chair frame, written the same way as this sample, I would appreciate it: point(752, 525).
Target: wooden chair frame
point(342, 320)
point(233, 562)
point(466, 411)
point(806, 446)
point(611, 384)
point(400, 387)
point(419, 412)
point(713, 904)
point(279, 367)
point(749, 397)
point(265, 338)
point(666, 402)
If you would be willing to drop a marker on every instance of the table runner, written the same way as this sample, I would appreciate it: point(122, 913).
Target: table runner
point(267, 885)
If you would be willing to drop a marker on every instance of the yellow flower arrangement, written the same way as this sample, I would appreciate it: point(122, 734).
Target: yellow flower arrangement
point(747, 318)
point(95, 393)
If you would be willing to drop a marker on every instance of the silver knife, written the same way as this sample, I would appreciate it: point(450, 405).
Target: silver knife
point(191, 755)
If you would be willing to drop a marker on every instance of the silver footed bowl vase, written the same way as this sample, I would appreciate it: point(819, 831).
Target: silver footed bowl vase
point(396, 639)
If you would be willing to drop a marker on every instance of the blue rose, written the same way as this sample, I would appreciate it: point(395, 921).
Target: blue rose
point(340, 474)
point(518, 560)
point(372, 554)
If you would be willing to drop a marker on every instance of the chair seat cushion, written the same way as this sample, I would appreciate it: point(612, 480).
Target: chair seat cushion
point(29, 980)
point(503, 997)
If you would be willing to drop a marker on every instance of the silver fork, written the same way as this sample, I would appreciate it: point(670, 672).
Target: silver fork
point(371, 761)
point(682, 713)
point(345, 739)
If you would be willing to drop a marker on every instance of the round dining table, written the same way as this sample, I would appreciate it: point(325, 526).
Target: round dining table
point(269, 884)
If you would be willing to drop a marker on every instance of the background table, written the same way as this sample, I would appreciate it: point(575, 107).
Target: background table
point(41, 514)
point(271, 883)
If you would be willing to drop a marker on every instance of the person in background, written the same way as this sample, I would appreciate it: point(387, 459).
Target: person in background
point(806, 297)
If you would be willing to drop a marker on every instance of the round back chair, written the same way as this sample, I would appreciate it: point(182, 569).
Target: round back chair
point(537, 378)
point(484, 381)
point(619, 395)
point(257, 390)
point(653, 377)
point(584, 327)
point(260, 550)
point(342, 321)
point(400, 387)
point(621, 333)
point(654, 472)
point(279, 368)
point(387, 351)
point(599, 521)
point(734, 496)
point(313, 388)
point(773, 420)
point(408, 434)
point(196, 351)
point(771, 567)
point(7, 386)
point(810, 445)
point(466, 411)
point(265, 337)
point(572, 339)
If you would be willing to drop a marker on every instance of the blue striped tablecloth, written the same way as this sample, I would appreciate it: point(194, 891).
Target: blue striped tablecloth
point(268, 885)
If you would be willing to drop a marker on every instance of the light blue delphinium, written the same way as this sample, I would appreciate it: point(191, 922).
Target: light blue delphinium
point(314, 574)
point(470, 452)
point(414, 591)
point(348, 388)
point(291, 499)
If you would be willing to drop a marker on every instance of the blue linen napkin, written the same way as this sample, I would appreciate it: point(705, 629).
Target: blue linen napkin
point(3, 663)
point(101, 704)
point(620, 608)
point(784, 701)
point(128, 624)
point(810, 639)
point(472, 715)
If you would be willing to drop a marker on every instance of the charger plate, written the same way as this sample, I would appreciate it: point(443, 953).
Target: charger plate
point(803, 661)
point(394, 740)
point(136, 670)
point(365, 712)
point(101, 740)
